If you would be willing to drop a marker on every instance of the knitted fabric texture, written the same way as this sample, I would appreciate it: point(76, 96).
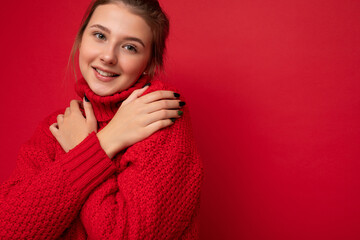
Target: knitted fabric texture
point(150, 190)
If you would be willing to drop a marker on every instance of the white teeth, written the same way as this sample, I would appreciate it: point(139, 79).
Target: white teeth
point(105, 74)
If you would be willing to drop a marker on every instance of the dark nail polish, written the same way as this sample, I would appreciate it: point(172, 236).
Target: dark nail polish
point(148, 84)
point(172, 119)
point(180, 113)
point(182, 104)
point(86, 99)
point(176, 95)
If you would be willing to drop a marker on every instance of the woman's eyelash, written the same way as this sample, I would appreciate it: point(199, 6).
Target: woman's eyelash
point(99, 35)
point(130, 48)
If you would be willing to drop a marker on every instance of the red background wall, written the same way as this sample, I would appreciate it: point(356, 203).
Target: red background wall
point(273, 89)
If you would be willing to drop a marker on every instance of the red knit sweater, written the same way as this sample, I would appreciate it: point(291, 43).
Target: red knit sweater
point(150, 190)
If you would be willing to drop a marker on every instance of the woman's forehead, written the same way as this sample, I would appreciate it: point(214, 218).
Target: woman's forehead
point(120, 21)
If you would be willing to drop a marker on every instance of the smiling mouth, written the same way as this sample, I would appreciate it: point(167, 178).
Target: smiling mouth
point(105, 74)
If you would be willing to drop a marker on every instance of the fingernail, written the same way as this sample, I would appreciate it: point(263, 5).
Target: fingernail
point(181, 104)
point(180, 113)
point(86, 99)
point(148, 84)
point(176, 95)
point(172, 119)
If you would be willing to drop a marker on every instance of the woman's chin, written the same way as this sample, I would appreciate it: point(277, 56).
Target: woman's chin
point(108, 88)
point(103, 91)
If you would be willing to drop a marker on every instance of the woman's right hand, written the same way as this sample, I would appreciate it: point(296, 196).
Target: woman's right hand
point(138, 118)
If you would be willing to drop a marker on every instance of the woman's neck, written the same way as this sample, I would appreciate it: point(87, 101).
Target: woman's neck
point(105, 107)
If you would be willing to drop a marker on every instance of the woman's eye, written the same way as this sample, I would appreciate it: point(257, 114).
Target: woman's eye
point(130, 48)
point(99, 36)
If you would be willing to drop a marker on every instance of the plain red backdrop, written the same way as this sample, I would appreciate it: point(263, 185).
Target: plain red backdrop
point(273, 89)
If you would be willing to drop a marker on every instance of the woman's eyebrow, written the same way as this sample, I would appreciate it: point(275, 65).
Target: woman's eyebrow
point(105, 29)
point(135, 39)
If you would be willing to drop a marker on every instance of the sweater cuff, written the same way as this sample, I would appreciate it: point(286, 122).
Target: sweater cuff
point(87, 165)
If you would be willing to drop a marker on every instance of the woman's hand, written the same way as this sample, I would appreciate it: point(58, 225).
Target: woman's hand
point(138, 118)
point(72, 127)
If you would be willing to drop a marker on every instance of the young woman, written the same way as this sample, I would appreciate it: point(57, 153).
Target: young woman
point(121, 164)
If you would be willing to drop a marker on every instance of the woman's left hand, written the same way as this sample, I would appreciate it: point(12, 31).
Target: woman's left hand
point(72, 127)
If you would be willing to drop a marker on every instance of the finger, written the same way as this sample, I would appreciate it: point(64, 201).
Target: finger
point(157, 95)
point(60, 119)
point(135, 94)
point(67, 111)
point(162, 115)
point(89, 113)
point(163, 104)
point(75, 106)
point(155, 126)
point(54, 129)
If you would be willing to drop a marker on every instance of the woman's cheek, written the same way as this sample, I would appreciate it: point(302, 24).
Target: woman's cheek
point(92, 50)
point(138, 64)
point(133, 65)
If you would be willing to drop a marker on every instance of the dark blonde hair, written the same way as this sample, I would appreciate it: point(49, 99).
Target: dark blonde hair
point(153, 15)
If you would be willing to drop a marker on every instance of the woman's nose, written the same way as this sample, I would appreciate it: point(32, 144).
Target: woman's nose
point(109, 56)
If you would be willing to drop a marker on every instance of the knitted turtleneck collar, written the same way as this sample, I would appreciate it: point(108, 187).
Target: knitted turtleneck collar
point(106, 107)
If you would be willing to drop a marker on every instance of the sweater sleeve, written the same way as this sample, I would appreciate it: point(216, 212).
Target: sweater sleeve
point(48, 187)
point(156, 193)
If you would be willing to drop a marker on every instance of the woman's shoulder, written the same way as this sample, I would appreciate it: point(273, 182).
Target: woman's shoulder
point(44, 124)
point(42, 144)
point(162, 84)
point(181, 129)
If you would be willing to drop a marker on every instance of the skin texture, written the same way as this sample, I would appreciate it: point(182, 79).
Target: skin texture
point(138, 117)
point(114, 51)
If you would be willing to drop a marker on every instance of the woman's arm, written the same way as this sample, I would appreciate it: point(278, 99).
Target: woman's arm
point(156, 193)
point(138, 118)
point(48, 187)
point(163, 170)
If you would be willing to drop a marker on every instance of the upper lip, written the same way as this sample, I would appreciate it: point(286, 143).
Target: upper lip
point(104, 70)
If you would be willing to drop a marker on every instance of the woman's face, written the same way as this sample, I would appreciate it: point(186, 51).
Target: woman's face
point(115, 49)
